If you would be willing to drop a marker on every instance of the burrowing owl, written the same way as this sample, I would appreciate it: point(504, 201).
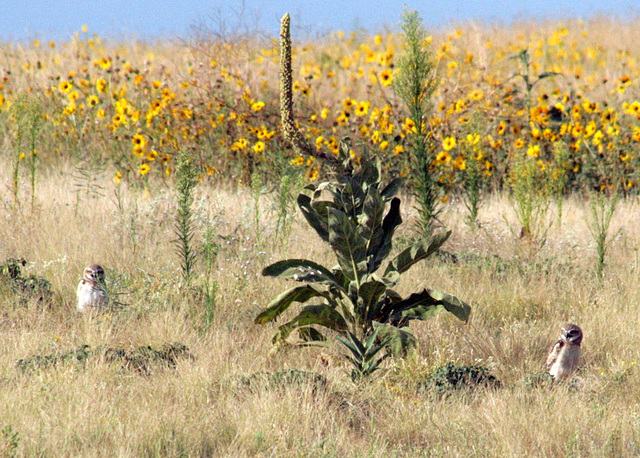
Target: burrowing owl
point(564, 355)
point(92, 294)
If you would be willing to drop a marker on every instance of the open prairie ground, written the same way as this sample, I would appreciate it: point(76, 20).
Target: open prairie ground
point(91, 132)
point(205, 405)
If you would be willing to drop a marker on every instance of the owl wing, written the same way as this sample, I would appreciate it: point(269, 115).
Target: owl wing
point(553, 354)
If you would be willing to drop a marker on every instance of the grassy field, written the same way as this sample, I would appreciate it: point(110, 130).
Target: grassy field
point(209, 404)
point(92, 132)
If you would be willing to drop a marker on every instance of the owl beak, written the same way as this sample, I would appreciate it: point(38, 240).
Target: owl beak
point(571, 338)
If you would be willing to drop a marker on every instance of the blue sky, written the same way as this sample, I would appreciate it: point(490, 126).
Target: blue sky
point(125, 19)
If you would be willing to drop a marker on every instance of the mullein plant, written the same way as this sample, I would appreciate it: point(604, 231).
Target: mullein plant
point(357, 215)
point(415, 84)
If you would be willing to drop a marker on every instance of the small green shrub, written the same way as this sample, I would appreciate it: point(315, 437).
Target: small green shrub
point(415, 84)
point(39, 362)
point(27, 114)
point(140, 360)
point(530, 195)
point(31, 287)
point(144, 359)
point(280, 380)
point(11, 441)
point(450, 377)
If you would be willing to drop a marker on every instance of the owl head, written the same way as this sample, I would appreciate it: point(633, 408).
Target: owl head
point(572, 334)
point(94, 273)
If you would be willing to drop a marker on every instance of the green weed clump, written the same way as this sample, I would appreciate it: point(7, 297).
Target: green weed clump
point(530, 192)
point(28, 120)
point(450, 377)
point(11, 441)
point(602, 210)
point(31, 287)
point(187, 180)
point(280, 380)
point(141, 359)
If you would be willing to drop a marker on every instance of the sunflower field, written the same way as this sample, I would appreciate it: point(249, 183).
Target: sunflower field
point(562, 96)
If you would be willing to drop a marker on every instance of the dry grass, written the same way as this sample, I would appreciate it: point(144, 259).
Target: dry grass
point(198, 408)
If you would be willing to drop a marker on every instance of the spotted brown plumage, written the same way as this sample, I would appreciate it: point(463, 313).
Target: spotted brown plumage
point(92, 295)
point(563, 357)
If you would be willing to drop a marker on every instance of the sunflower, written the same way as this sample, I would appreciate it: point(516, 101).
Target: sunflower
point(65, 86)
point(362, 109)
point(101, 85)
point(258, 147)
point(533, 151)
point(386, 77)
point(105, 63)
point(442, 158)
point(460, 163)
point(139, 142)
point(92, 100)
point(449, 143)
point(348, 103)
point(257, 106)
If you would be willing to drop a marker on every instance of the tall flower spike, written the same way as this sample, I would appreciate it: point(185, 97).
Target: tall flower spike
point(291, 132)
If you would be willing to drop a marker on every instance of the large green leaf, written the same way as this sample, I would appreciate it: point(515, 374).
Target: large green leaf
point(391, 189)
point(385, 306)
point(340, 277)
point(370, 220)
point(369, 173)
point(349, 197)
point(416, 253)
point(321, 207)
point(300, 270)
point(344, 150)
point(389, 224)
point(284, 300)
point(423, 305)
point(370, 292)
point(354, 345)
point(343, 302)
point(309, 334)
point(311, 215)
point(347, 244)
point(310, 315)
point(399, 339)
